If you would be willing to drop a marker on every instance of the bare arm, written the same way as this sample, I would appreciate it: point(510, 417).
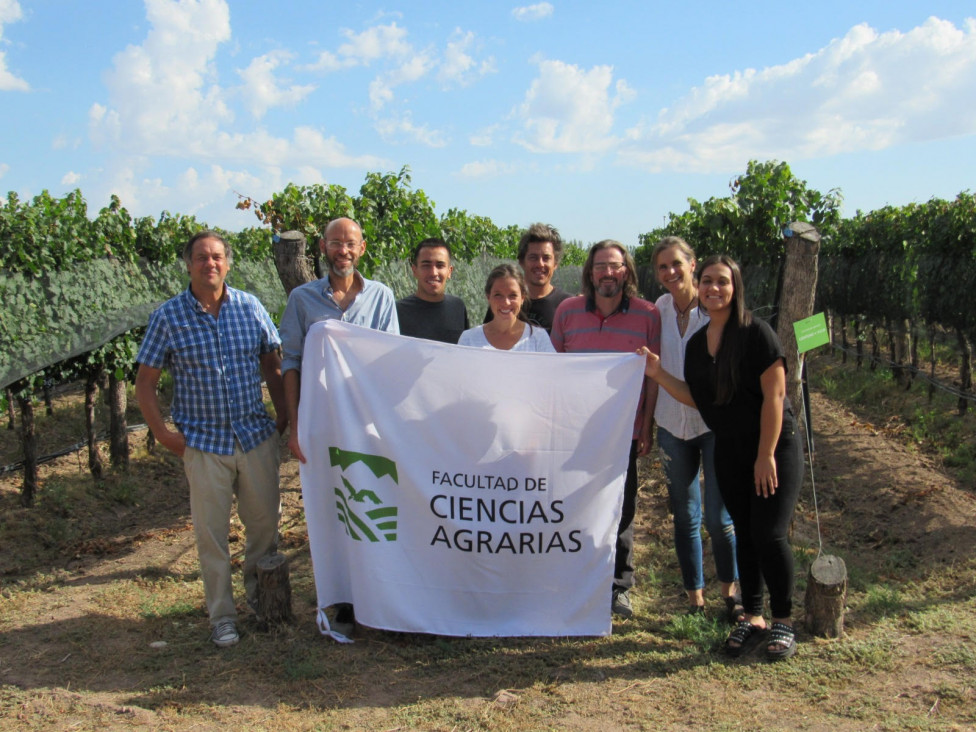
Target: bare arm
point(147, 379)
point(293, 384)
point(271, 371)
point(672, 384)
point(773, 382)
point(646, 439)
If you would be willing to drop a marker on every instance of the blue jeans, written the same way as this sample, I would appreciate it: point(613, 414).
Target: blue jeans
point(682, 459)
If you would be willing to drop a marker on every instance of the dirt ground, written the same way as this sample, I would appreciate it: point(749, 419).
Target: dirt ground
point(74, 651)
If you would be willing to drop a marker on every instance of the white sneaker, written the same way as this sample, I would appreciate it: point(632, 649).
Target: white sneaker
point(225, 634)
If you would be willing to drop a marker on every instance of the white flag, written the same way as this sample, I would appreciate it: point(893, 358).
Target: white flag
point(462, 491)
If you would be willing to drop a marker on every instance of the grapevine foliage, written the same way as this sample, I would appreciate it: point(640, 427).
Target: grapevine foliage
point(394, 218)
point(749, 223)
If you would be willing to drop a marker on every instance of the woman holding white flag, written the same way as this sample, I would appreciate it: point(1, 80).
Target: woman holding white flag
point(509, 329)
point(735, 375)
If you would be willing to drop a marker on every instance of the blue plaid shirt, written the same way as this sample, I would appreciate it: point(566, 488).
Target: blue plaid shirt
point(215, 364)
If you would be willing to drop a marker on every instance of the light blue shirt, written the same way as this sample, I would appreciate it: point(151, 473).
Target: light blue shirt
point(374, 307)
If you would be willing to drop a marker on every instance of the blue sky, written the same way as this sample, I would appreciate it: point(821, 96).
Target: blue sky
point(599, 118)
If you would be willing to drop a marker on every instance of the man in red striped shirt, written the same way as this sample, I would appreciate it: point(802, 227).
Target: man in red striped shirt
point(609, 316)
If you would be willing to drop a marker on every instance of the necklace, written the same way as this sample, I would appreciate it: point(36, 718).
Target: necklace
point(684, 314)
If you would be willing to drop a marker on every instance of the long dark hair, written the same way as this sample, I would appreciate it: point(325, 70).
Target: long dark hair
point(508, 270)
point(630, 283)
point(730, 350)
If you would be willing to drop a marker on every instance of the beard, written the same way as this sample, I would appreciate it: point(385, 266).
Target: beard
point(609, 288)
point(345, 269)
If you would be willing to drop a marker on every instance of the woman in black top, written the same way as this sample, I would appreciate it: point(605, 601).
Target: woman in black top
point(735, 375)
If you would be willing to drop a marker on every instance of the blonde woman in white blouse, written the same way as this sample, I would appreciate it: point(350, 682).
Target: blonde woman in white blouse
point(685, 442)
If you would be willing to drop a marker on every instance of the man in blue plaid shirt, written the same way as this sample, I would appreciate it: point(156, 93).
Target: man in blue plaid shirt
point(218, 343)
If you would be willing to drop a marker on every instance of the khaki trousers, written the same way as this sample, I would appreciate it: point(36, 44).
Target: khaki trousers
point(214, 482)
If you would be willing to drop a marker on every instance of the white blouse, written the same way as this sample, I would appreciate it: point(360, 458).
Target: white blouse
point(534, 339)
point(682, 421)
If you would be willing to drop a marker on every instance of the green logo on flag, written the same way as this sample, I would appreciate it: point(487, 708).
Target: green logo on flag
point(361, 511)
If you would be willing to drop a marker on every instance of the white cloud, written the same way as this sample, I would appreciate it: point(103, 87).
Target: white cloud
point(165, 101)
point(484, 137)
point(262, 90)
point(532, 12)
point(568, 109)
point(3, 169)
point(865, 91)
point(458, 66)
point(194, 191)
point(381, 43)
point(487, 169)
point(310, 175)
point(399, 62)
point(70, 178)
point(412, 69)
point(163, 93)
point(166, 104)
point(362, 49)
point(10, 12)
point(393, 128)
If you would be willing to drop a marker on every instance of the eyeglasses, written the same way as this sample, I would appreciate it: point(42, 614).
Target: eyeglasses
point(608, 267)
point(336, 245)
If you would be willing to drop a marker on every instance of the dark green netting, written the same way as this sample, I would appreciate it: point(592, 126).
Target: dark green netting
point(44, 320)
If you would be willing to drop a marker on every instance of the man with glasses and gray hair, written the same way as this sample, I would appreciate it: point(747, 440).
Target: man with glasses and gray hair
point(343, 294)
point(608, 317)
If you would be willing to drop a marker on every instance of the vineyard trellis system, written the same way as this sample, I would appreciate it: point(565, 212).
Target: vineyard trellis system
point(894, 271)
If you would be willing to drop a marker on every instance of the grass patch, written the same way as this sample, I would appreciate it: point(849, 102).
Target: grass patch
point(873, 653)
point(882, 602)
point(963, 655)
point(932, 424)
point(122, 489)
point(153, 607)
point(705, 634)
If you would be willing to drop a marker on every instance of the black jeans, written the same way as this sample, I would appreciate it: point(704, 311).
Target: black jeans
point(623, 566)
point(763, 550)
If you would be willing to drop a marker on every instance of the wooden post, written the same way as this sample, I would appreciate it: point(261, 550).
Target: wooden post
point(11, 417)
point(28, 438)
point(826, 596)
point(94, 457)
point(796, 298)
point(118, 446)
point(965, 370)
point(293, 265)
point(274, 591)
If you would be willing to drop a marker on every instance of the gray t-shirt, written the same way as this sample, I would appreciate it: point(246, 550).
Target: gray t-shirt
point(442, 321)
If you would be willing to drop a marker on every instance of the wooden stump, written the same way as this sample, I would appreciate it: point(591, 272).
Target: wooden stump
point(826, 597)
point(294, 267)
point(274, 591)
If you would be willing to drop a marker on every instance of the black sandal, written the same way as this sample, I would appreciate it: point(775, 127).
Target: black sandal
point(735, 613)
point(745, 634)
point(782, 642)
